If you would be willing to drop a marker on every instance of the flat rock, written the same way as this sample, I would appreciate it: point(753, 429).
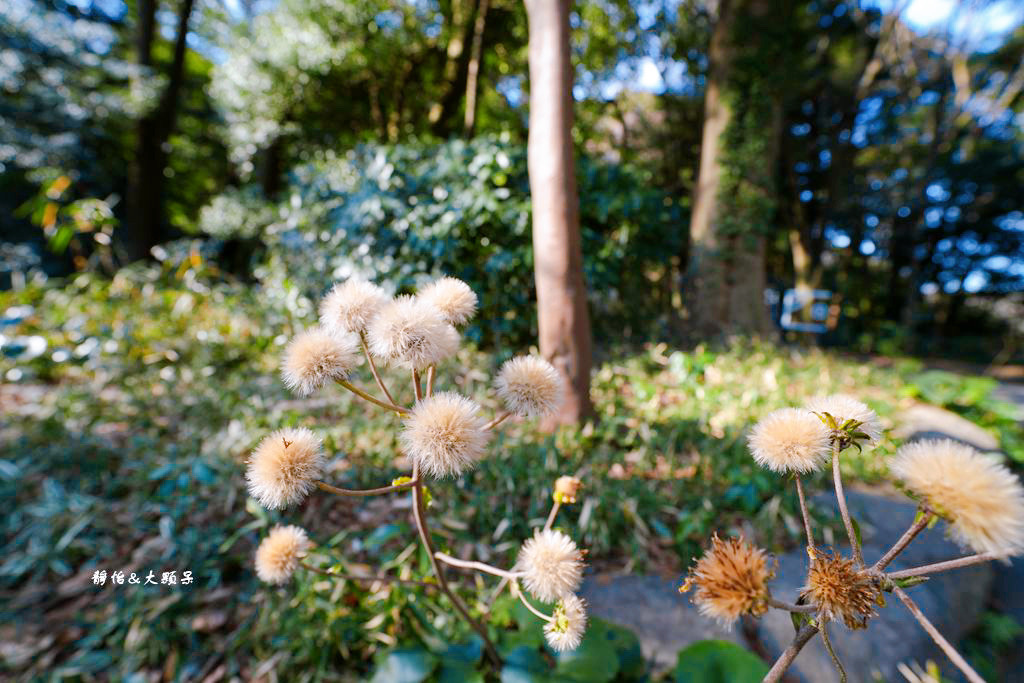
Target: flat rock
point(651, 606)
point(953, 601)
point(924, 421)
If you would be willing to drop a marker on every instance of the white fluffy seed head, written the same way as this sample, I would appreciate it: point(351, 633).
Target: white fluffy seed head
point(279, 553)
point(316, 356)
point(445, 434)
point(285, 467)
point(790, 440)
point(530, 386)
point(552, 565)
point(413, 333)
point(843, 408)
point(351, 305)
point(981, 498)
point(453, 297)
point(569, 622)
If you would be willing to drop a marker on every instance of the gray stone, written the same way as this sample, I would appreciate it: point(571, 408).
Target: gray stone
point(651, 606)
point(931, 422)
point(953, 601)
point(1011, 393)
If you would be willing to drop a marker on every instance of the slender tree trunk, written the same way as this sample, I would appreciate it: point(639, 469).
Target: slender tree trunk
point(473, 70)
point(562, 317)
point(463, 21)
point(727, 265)
point(146, 176)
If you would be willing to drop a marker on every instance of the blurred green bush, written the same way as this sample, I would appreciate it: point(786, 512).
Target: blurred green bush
point(403, 212)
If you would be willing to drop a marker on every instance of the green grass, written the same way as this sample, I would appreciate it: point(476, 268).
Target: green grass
point(130, 451)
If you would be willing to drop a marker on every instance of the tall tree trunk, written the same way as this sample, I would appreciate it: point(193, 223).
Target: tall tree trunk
point(463, 20)
point(562, 317)
point(473, 70)
point(727, 267)
point(146, 176)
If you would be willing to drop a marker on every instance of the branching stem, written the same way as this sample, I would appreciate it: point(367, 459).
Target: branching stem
point(373, 368)
point(948, 564)
point(841, 498)
point(789, 607)
point(785, 660)
point(551, 515)
point(950, 651)
point(498, 420)
point(366, 397)
point(522, 598)
point(831, 652)
point(358, 493)
point(421, 526)
point(904, 540)
point(478, 566)
point(805, 514)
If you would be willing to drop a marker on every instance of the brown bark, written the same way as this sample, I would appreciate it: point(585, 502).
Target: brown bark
point(562, 317)
point(473, 69)
point(463, 20)
point(727, 272)
point(146, 175)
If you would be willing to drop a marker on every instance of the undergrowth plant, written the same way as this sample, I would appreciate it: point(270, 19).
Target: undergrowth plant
point(982, 501)
point(442, 433)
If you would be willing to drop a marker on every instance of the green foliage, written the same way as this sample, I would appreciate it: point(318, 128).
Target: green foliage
point(130, 429)
point(461, 208)
point(718, 661)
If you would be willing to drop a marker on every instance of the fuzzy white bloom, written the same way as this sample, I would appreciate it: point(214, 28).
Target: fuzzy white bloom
point(413, 333)
point(445, 434)
point(569, 622)
point(530, 386)
point(315, 356)
point(279, 553)
point(552, 565)
point(843, 408)
point(981, 498)
point(351, 305)
point(453, 297)
point(285, 467)
point(790, 440)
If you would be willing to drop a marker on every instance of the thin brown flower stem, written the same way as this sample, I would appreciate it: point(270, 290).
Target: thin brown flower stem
point(373, 368)
point(421, 526)
point(944, 644)
point(841, 498)
point(498, 420)
point(552, 515)
point(431, 373)
point(947, 565)
point(806, 515)
point(785, 660)
point(379, 577)
point(904, 540)
point(522, 598)
point(416, 387)
point(364, 492)
point(366, 397)
point(479, 566)
point(831, 652)
point(789, 607)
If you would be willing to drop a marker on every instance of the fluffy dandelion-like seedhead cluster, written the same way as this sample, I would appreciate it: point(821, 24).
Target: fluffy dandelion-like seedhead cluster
point(284, 467)
point(530, 386)
point(732, 580)
point(981, 498)
point(568, 623)
point(351, 305)
point(452, 297)
point(316, 356)
point(840, 590)
point(445, 434)
point(552, 565)
point(412, 332)
point(790, 440)
point(842, 408)
point(278, 556)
